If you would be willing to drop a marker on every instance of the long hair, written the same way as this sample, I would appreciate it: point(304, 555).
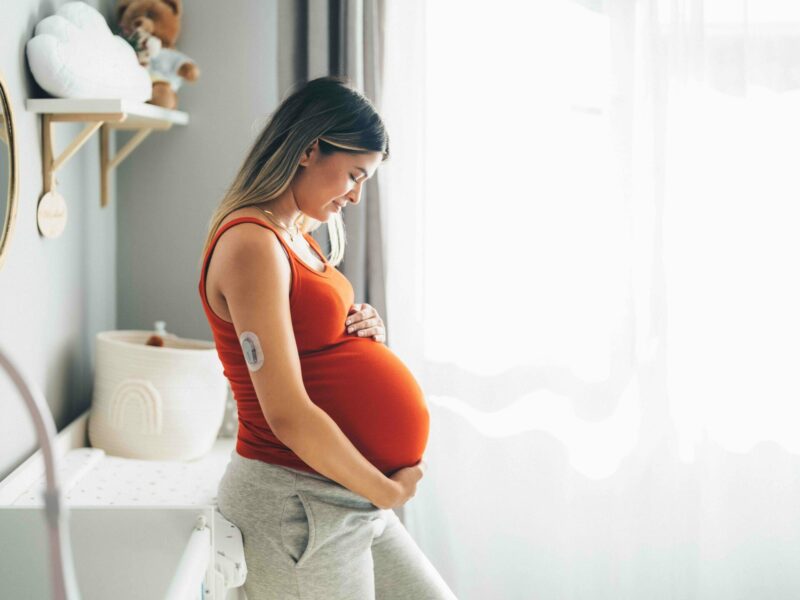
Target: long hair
point(326, 108)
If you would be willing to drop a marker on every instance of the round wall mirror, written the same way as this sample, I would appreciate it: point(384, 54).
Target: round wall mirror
point(8, 171)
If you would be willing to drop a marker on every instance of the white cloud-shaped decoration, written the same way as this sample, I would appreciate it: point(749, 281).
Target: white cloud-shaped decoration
point(73, 54)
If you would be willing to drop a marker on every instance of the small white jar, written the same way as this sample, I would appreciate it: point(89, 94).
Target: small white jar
point(156, 402)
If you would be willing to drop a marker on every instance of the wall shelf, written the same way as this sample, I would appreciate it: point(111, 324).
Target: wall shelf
point(102, 114)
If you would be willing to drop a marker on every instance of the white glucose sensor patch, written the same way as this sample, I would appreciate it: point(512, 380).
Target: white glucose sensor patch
point(251, 347)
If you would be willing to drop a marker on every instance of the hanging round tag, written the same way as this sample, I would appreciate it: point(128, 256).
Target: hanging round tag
point(51, 216)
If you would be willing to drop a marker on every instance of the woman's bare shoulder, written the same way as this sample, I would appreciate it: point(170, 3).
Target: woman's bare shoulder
point(244, 243)
point(244, 237)
point(243, 233)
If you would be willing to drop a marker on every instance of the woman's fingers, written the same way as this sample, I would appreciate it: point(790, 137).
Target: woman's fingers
point(363, 325)
point(368, 327)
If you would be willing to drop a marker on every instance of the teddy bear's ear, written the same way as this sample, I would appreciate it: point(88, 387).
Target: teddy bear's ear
point(175, 5)
point(122, 6)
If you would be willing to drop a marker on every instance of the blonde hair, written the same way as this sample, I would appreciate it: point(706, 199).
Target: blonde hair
point(327, 109)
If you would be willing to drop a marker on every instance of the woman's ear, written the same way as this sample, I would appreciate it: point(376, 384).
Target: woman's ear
point(309, 154)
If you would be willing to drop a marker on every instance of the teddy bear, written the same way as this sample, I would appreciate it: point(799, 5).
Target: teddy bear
point(152, 28)
point(146, 45)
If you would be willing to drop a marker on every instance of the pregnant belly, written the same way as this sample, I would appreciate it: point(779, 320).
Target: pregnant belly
point(373, 397)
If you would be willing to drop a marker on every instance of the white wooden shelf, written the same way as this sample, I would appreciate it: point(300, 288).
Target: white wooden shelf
point(104, 114)
point(138, 114)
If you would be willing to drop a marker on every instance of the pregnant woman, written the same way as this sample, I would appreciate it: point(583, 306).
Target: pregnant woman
point(332, 425)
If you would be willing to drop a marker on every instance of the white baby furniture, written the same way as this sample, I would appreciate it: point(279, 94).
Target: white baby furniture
point(140, 529)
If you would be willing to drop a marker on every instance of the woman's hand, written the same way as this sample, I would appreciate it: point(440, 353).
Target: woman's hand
point(404, 484)
point(365, 321)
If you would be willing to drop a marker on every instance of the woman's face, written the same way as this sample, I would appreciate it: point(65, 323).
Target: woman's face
point(323, 183)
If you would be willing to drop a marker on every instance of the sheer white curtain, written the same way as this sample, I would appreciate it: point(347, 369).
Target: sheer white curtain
point(591, 215)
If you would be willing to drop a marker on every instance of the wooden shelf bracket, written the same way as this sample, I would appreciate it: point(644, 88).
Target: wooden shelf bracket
point(102, 114)
point(108, 164)
point(51, 164)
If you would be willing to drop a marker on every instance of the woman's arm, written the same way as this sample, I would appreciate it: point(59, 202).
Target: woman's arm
point(319, 442)
point(255, 279)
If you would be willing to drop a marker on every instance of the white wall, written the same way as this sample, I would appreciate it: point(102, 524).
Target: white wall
point(169, 187)
point(136, 261)
point(55, 294)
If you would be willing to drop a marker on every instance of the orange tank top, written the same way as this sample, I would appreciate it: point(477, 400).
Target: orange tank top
point(364, 387)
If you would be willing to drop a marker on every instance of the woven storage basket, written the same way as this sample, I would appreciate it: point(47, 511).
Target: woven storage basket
point(156, 402)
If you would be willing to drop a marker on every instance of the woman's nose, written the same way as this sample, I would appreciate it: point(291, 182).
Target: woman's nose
point(355, 193)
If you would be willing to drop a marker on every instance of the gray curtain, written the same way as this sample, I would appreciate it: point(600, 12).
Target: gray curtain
point(342, 37)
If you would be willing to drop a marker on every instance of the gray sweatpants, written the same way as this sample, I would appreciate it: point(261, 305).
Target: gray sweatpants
point(306, 537)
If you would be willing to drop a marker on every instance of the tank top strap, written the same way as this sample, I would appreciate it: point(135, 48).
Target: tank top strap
point(236, 221)
point(257, 221)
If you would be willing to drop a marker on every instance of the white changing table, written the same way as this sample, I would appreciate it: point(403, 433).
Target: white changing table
point(140, 529)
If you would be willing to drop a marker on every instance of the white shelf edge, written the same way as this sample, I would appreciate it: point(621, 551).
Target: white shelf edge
point(104, 106)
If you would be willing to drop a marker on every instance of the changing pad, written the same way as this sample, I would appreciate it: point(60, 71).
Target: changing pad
point(90, 477)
